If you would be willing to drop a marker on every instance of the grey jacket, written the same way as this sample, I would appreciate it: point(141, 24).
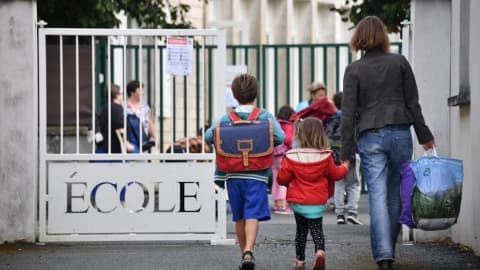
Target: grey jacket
point(379, 90)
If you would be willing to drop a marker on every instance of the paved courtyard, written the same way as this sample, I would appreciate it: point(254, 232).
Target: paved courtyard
point(347, 248)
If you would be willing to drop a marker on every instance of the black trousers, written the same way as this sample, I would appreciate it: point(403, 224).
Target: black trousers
point(303, 226)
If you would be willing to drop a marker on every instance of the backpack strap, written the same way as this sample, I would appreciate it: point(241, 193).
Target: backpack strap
point(254, 114)
point(234, 116)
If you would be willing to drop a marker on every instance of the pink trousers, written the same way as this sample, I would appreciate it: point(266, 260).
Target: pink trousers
point(278, 192)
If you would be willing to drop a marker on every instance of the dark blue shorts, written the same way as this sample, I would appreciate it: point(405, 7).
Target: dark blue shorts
point(248, 199)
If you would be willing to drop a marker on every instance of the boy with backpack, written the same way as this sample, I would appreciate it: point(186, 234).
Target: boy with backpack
point(247, 189)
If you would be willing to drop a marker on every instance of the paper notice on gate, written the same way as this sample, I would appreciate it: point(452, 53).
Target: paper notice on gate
point(179, 56)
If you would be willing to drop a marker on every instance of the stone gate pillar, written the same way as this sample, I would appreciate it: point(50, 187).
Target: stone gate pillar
point(18, 120)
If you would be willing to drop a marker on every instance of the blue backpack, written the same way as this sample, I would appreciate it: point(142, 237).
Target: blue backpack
point(244, 145)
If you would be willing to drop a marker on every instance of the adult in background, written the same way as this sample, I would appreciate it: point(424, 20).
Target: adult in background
point(116, 122)
point(380, 104)
point(317, 91)
point(319, 105)
point(143, 113)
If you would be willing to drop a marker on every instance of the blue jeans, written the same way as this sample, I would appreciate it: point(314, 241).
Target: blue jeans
point(382, 152)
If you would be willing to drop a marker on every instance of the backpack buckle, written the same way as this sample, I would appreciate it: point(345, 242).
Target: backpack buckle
point(245, 146)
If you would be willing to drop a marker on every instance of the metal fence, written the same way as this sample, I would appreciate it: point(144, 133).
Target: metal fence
point(284, 72)
point(90, 196)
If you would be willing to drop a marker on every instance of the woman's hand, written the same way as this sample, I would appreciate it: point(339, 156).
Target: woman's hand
point(428, 145)
point(346, 163)
point(130, 147)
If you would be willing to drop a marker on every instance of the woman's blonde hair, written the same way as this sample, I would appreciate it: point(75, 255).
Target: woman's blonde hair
point(310, 133)
point(370, 33)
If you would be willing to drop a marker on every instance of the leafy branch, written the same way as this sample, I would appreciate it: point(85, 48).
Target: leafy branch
point(392, 12)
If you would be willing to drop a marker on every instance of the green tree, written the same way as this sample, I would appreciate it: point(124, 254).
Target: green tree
point(392, 12)
point(101, 13)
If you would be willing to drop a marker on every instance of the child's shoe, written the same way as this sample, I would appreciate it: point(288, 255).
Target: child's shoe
point(319, 261)
point(353, 218)
point(248, 261)
point(283, 211)
point(297, 264)
point(341, 219)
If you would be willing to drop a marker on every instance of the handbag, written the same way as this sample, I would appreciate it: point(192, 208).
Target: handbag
point(133, 135)
point(431, 192)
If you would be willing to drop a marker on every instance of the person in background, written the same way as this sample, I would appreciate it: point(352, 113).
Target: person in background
point(349, 187)
point(309, 173)
point(380, 104)
point(316, 91)
point(195, 144)
point(143, 113)
point(319, 105)
point(279, 193)
point(117, 118)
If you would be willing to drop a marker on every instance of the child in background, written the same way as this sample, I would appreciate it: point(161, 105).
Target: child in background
point(347, 190)
point(309, 173)
point(247, 191)
point(279, 193)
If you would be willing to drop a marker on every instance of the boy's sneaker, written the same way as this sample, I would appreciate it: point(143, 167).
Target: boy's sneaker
point(248, 261)
point(341, 219)
point(353, 218)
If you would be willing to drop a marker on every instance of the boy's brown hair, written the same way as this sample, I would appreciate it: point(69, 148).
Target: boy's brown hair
point(310, 133)
point(245, 88)
point(370, 33)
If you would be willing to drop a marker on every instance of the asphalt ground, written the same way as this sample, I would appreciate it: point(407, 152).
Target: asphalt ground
point(347, 247)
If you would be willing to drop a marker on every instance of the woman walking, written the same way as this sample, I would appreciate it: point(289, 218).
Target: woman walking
point(380, 104)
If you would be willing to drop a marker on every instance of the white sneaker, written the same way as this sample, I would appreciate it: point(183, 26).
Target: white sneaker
point(283, 211)
point(353, 218)
point(341, 219)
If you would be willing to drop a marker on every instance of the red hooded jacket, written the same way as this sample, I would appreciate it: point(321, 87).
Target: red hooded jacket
point(309, 175)
point(321, 109)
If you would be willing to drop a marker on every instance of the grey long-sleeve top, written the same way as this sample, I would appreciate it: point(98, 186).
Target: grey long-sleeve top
point(379, 90)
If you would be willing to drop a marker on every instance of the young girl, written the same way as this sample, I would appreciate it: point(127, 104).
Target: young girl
point(309, 173)
point(279, 193)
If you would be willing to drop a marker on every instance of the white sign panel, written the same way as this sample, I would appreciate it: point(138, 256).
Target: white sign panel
point(179, 55)
point(130, 198)
point(232, 72)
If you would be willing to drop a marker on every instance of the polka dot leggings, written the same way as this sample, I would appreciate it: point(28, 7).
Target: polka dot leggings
point(303, 226)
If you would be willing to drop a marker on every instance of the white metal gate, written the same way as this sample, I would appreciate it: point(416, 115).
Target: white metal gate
point(85, 196)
